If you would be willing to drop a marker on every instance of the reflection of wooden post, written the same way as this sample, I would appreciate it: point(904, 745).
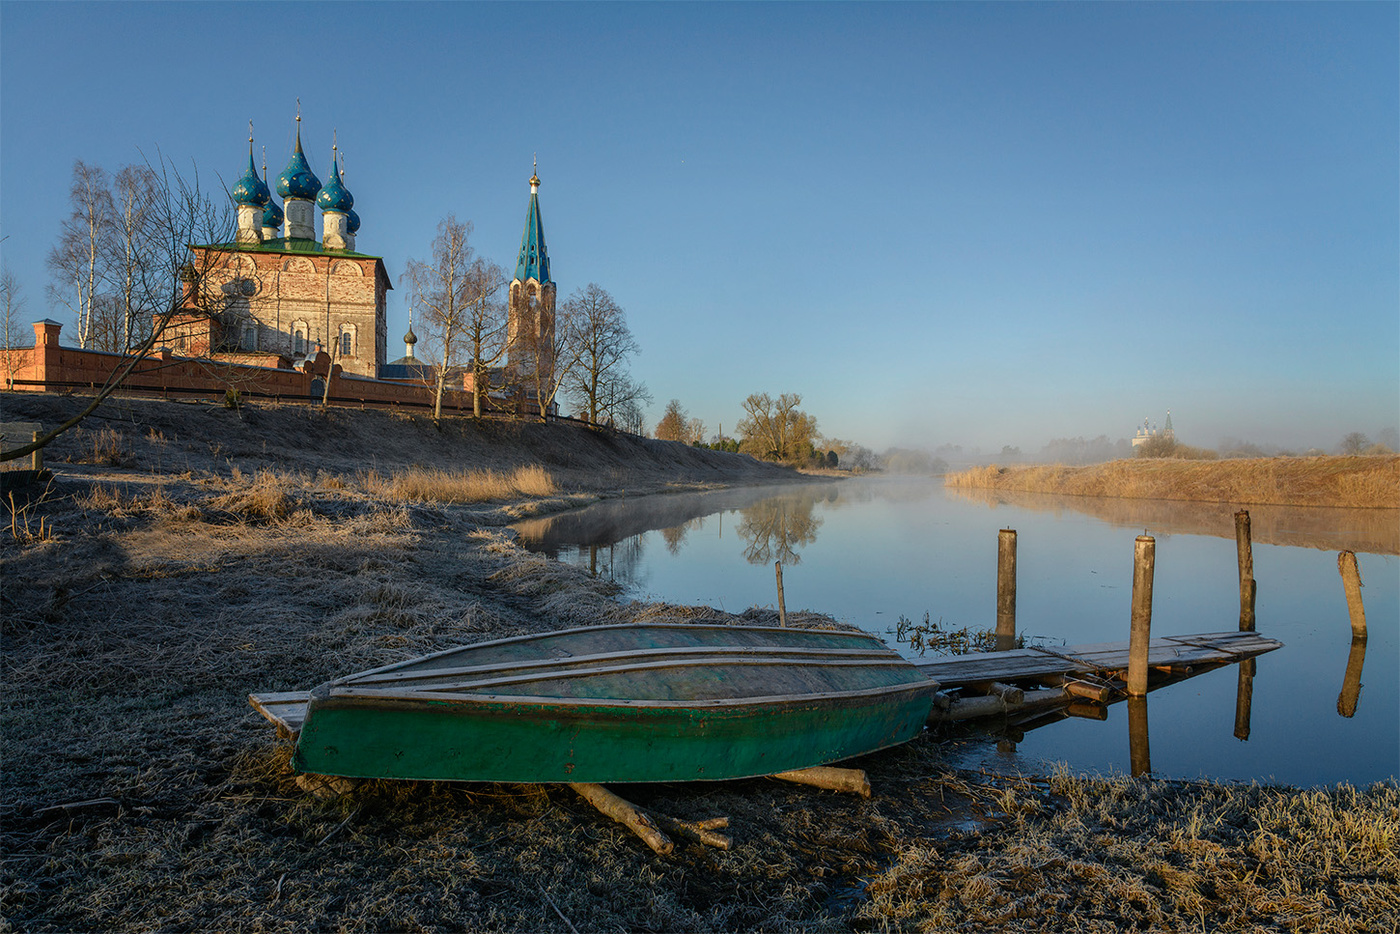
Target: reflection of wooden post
point(1246, 557)
point(1139, 754)
point(1351, 582)
point(1006, 590)
point(1244, 697)
point(782, 606)
point(1144, 562)
point(1351, 684)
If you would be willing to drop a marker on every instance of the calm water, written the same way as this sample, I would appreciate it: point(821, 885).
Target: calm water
point(869, 551)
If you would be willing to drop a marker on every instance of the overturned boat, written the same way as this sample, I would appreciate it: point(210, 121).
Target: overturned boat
point(646, 702)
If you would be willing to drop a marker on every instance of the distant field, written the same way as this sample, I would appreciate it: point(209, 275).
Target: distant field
point(1370, 482)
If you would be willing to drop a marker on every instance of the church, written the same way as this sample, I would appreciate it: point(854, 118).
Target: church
point(276, 293)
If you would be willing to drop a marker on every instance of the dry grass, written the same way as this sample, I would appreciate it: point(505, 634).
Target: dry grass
point(1118, 853)
point(430, 485)
point(1364, 482)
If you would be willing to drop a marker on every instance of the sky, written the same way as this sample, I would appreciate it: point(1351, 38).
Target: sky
point(981, 224)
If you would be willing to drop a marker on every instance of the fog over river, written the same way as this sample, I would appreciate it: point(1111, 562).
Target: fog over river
point(868, 551)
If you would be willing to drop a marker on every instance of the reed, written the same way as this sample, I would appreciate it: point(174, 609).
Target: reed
point(422, 484)
point(1370, 482)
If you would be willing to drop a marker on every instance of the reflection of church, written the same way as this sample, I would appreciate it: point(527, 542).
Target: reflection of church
point(1146, 431)
point(276, 292)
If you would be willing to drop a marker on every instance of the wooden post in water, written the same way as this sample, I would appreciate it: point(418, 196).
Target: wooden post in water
point(782, 605)
point(1351, 683)
point(1351, 581)
point(1144, 562)
point(1006, 590)
point(1244, 699)
point(1247, 584)
point(1139, 752)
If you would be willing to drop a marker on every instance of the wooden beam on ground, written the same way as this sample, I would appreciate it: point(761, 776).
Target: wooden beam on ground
point(830, 778)
point(627, 814)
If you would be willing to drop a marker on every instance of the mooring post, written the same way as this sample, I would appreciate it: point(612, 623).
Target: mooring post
point(1247, 584)
point(1351, 582)
point(1006, 590)
point(1144, 561)
point(782, 606)
point(1139, 751)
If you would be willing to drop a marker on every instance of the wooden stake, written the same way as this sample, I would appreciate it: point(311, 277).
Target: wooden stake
point(1007, 692)
point(782, 605)
point(625, 813)
point(1144, 563)
point(1245, 551)
point(1351, 582)
point(1006, 590)
point(830, 778)
point(1351, 684)
point(1139, 753)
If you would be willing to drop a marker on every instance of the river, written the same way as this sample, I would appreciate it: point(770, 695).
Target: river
point(870, 551)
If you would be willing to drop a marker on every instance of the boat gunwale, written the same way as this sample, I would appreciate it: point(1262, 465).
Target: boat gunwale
point(532, 636)
point(408, 697)
point(689, 656)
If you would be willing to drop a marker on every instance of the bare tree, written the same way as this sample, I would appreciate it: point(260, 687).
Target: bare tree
point(451, 292)
point(484, 334)
point(77, 260)
point(776, 428)
point(169, 281)
point(12, 306)
point(599, 383)
point(129, 248)
point(673, 422)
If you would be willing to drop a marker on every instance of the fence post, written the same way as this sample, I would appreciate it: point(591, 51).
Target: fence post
point(1246, 558)
point(1006, 590)
point(1140, 637)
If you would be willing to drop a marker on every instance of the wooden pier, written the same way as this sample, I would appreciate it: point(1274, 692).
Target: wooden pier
point(1023, 684)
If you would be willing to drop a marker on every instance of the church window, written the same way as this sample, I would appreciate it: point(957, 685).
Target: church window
point(250, 336)
point(347, 342)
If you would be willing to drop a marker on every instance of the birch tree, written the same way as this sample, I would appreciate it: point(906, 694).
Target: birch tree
point(598, 383)
point(77, 261)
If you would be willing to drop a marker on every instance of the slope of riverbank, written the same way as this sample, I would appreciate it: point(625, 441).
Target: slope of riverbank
point(184, 556)
point(1370, 482)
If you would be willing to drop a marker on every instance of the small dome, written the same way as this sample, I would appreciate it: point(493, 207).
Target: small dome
point(353, 227)
point(410, 338)
point(297, 180)
point(250, 191)
point(335, 196)
point(272, 214)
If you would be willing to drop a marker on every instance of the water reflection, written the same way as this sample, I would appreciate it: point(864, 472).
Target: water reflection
point(1244, 699)
point(1376, 531)
point(778, 529)
point(1351, 683)
point(1139, 754)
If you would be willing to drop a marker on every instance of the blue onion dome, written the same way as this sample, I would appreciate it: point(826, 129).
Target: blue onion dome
point(353, 227)
point(251, 191)
point(297, 180)
point(335, 196)
point(272, 214)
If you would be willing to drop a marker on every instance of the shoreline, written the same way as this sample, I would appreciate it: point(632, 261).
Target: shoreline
point(141, 791)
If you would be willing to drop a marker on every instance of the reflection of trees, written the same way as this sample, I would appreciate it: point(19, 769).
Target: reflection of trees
point(675, 535)
point(776, 529)
point(619, 562)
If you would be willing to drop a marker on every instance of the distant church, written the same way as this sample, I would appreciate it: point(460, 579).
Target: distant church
point(1147, 431)
point(276, 293)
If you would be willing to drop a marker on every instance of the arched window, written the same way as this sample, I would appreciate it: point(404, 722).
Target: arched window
point(250, 336)
point(347, 342)
point(299, 341)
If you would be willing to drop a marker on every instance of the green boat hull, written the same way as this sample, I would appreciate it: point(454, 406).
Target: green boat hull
point(508, 740)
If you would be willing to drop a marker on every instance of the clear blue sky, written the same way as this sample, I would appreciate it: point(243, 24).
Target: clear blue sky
point(981, 224)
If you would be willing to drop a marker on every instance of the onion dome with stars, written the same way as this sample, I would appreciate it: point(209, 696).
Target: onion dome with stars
point(297, 180)
point(353, 225)
point(251, 191)
point(335, 196)
point(272, 214)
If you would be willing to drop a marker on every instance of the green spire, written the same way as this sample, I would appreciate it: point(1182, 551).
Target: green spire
point(533, 262)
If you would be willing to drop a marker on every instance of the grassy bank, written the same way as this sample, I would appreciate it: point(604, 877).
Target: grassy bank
point(1371, 482)
point(143, 601)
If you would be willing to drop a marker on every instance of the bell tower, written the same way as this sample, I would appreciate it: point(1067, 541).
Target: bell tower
point(530, 330)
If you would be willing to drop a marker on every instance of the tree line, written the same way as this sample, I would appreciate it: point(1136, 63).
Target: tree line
point(772, 428)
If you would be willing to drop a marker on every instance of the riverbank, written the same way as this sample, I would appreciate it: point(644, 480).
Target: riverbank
point(1367, 482)
point(232, 552)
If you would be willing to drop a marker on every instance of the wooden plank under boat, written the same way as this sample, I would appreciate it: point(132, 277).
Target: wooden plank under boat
point(606, 704)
